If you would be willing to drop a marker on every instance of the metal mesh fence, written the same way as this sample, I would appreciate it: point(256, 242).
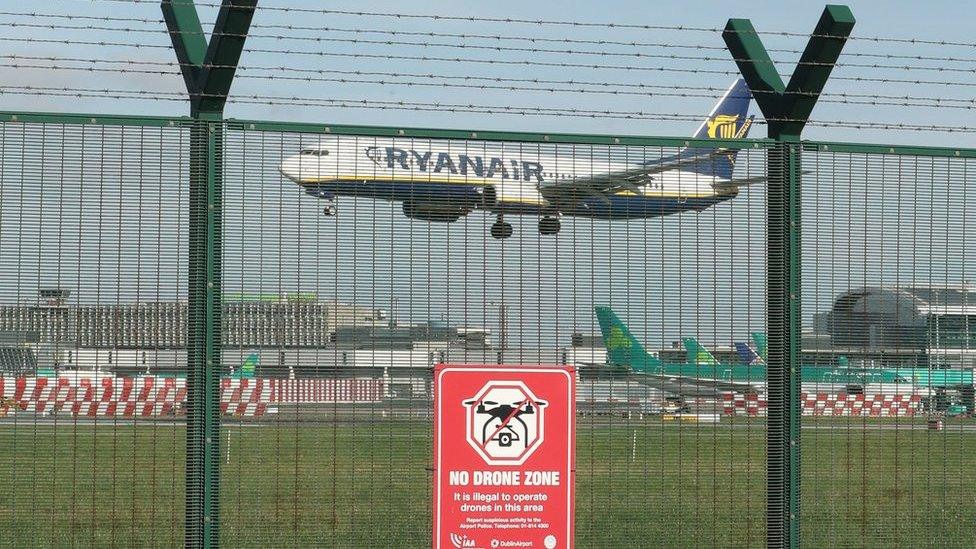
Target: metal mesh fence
point(92, 320)
point(352, 264)
point(362, 303)
point(886, 295)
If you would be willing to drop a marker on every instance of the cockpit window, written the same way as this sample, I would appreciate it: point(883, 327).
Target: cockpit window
point(316, 152)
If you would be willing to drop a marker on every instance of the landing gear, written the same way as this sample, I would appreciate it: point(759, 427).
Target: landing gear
point(500, 229)
point(549, 225)
point(329, 209)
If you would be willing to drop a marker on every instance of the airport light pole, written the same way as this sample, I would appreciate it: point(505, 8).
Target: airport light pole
point(208, 70)
point(502, 327)
point(786, 109)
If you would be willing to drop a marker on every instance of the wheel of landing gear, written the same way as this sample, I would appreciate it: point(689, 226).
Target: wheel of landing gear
point(496, 231)
point(549, 225)
point(501, 230)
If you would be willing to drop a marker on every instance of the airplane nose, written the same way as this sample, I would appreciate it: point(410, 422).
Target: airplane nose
point(291, 168)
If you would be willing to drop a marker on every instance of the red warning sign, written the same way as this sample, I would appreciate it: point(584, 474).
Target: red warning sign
point(504, 441)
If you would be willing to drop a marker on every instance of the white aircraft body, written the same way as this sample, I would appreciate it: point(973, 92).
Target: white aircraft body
point(444, 180)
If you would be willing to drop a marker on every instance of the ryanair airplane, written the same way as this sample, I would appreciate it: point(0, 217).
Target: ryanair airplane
point(444, 180)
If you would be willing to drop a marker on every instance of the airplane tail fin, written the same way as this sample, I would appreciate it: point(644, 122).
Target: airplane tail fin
point(248, 367)
point(697, 353)
point(622, 347)
point(747, 355)
point(729, 119)
point(761, 345)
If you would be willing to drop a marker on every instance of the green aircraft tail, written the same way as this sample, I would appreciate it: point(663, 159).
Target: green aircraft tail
point(622, 347)
point(698, 354)
point(761, 345)
point(248, 367)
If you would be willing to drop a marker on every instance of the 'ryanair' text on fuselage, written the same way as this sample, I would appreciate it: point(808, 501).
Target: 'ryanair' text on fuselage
point(394, 158)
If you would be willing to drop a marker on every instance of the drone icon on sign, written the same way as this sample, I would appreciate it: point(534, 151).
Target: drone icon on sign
point(505, 422)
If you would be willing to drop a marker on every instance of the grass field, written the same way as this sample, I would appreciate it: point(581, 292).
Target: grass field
point(367, 484)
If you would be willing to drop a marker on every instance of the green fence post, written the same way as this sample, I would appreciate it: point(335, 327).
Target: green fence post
point(208, 70)
point(786, 109)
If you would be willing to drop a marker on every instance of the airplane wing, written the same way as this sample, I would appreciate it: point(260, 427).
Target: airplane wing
point(603, 185)
point(715, 162)
point(694, 387)
point(686, 386)
point(729, 186)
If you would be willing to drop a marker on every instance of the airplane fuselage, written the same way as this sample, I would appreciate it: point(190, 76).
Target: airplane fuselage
point(812, 374)
point(462, 176)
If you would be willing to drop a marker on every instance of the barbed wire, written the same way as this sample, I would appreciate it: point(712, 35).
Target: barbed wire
point(504, 83)
point(409, 48)
point(881, 101)
point(482, 47)
point(451, 107)
point(524, 62)
point(847, 99)
point(106, 18)
point(637, 55)
point(68, 42)
point(558, 22)
point(493, 37)
point(519, 83)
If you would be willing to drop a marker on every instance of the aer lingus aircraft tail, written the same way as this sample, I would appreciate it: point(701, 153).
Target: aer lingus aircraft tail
point(622, 347)
point(700, 377)
point(760, 340)
point(248, 367)
point(697, 353)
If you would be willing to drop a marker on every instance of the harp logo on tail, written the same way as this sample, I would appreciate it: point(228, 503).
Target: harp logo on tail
point(617, 339)
point(722, 126)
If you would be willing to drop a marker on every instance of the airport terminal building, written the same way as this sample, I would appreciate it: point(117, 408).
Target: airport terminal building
point(291, 320)
point(293, 334)
point(933, 325)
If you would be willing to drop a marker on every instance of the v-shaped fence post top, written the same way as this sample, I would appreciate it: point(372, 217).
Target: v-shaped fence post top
point(208, 68)
point(787, 107)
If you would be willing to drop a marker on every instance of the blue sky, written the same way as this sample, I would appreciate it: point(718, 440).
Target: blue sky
point(932, 20)
point(689, 274)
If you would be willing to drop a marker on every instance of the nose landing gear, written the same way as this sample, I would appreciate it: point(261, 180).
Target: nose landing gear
point(501, 229)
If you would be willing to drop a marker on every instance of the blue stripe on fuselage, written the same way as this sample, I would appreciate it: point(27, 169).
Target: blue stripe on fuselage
point(397, 190)
point(638, 207)
point(613, 207)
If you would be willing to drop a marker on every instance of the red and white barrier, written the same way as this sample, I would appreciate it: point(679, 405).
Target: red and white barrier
point(827, 404)
point(327, 391)
point(163, 396)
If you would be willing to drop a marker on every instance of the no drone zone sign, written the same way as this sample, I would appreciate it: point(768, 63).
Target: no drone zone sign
point(504, 441)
